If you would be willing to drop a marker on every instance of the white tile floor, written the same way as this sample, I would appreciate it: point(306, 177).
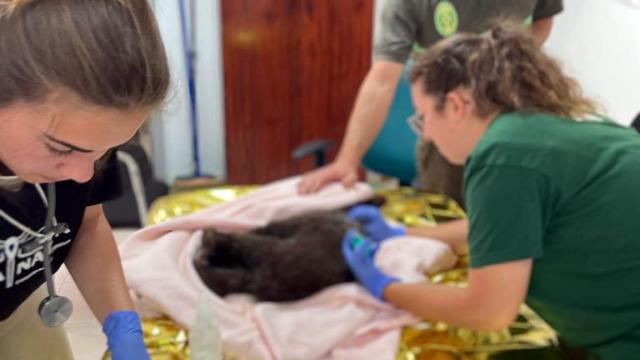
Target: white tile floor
point(83, 329)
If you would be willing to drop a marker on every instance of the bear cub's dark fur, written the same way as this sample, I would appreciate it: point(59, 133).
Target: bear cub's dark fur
point(283, 261)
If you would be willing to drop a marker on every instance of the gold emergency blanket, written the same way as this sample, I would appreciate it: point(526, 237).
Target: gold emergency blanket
point(528, 335)
point(425, 341)
point(163, 339)
point(186, 202)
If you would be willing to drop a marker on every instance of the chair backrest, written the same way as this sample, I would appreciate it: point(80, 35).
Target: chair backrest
point(139, 188)
point(392, 153)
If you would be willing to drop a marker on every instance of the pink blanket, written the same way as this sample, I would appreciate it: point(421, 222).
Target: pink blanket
point(341, 322)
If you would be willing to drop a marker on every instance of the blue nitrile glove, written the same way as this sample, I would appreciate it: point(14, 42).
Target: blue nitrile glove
point(373, 224)
point(358, 252)
point(124, 336)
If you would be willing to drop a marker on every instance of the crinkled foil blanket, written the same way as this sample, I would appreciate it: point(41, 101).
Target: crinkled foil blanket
point(527, 338)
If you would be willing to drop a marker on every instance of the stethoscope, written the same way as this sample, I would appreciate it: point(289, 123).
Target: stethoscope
point(54, 310)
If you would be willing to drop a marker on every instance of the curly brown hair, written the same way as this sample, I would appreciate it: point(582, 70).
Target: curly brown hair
point(505, 71)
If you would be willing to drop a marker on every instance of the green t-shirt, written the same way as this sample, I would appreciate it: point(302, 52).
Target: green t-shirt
point(566, 194)
point(405, 23)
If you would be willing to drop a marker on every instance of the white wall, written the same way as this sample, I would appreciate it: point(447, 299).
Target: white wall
point(172, 144)
point(210, 87)
point(170, 128)
point(598, 42)
point(377, 12)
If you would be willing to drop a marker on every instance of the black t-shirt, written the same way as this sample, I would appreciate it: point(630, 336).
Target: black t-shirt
point(21, 256)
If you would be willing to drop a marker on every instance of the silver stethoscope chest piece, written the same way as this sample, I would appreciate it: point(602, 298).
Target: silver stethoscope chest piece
point(55, 310)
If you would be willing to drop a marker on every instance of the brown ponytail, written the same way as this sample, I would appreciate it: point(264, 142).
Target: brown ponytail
point(105, 52)
point(504, 69)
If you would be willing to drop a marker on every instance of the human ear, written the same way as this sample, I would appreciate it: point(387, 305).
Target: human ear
point(456, 107)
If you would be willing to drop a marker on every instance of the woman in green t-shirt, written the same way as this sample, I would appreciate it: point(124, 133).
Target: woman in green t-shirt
point(550, 191)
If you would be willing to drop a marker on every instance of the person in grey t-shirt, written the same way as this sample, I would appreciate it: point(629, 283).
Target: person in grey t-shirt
point(409, 26)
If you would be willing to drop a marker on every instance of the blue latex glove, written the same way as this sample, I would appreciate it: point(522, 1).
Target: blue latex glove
point(358, 252)
point(373, 224)
point(124, 336)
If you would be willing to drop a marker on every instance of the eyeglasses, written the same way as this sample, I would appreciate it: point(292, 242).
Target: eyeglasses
point(416, 123)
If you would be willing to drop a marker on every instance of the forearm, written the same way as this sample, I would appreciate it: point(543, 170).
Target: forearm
point(94, 264)
point(450, 304)
point(490, 301)
point(540, 29)
point(369, 111)
point(454, 233)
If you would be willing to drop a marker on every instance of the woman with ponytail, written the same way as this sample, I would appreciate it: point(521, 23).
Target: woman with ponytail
point(550, 188)
point(77, 78)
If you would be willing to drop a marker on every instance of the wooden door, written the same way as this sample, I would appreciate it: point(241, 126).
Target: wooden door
point(292, 69)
